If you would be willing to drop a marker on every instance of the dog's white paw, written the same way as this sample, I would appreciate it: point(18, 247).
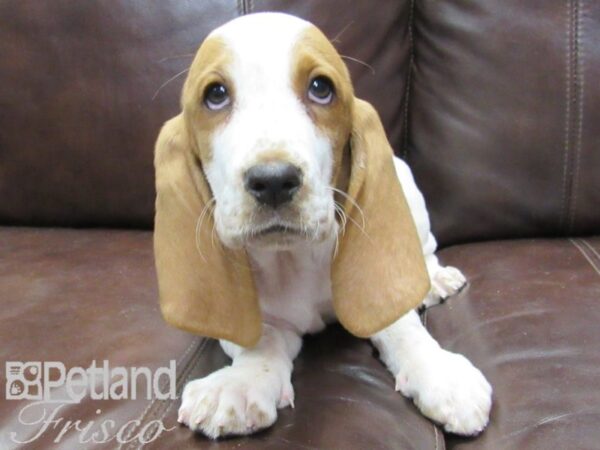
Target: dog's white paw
point(448, 389)
point(445, 281)
point(235, 400)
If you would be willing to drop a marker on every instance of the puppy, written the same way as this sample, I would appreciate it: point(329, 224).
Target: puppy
point(280, 208)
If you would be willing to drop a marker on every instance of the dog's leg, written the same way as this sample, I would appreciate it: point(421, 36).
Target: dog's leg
point(445, 280)
point(244, 397)
point(445, 386)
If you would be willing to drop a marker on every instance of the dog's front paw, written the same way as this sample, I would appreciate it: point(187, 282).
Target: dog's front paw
point(448, 389)
point(445, 282)
point(234, 400)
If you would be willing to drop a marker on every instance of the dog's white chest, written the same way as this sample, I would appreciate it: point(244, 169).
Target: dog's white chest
point(294, 287)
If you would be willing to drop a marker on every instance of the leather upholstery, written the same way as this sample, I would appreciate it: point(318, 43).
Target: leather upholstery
point(76, 296)
point(493, 90)
point(89, 90)
point(529, 320)
point(504, 117)
point(501, 129)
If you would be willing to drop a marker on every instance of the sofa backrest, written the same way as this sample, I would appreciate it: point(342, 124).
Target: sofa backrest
point(494, 104)
point(84, 90)
point(504, 116)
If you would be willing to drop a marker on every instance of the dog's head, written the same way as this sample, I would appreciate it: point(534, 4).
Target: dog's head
point(270, 137)
point(268, 106)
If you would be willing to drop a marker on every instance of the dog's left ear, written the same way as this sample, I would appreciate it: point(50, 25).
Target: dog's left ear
point(379, 272)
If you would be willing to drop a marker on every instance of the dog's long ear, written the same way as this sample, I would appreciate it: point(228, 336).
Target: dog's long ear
point(204, 287)
point(379, 272)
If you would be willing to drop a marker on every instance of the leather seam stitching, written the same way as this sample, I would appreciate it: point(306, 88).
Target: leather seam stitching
point(579, 82)
point(168, 404)
point(201, 343)
point(144, 414)
point(244, 7)
point(195, 363)
point(567, 129)
point(592, 249)
point(435, 431)
point(586, 256)
point(411, 45)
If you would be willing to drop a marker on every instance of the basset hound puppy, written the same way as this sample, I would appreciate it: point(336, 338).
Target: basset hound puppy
point(280, 208)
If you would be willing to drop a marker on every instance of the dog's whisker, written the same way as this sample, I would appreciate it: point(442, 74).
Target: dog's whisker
point(207, 208)
point(337, 244)
point(317, 229)
point(362, 230)
point(197, 238)
point(354, 203)
point(342, 31)
point(212, 234)
point(207, 211)
point(174, 77)
point(339, 214)
point(351, 219)
point(356, 60)
point(199, 222)
point(253, 231)
point(342, 215)
point(182, 55)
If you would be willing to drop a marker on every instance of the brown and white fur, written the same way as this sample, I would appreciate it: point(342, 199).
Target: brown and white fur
point(266, 62)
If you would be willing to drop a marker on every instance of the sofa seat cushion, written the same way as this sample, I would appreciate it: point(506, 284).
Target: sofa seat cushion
point(530, 321)
point(75, 296)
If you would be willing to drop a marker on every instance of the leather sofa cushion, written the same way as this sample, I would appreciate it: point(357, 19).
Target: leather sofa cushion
point(75, 296)
point(529, 320)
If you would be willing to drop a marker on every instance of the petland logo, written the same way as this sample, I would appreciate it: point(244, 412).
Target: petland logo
point(51, 382)
point(49, 386)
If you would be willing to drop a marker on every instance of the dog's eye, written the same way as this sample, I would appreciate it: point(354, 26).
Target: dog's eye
point(320, 90)
point(216, 96)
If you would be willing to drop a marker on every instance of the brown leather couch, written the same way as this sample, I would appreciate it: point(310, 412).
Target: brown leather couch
point(494, 103)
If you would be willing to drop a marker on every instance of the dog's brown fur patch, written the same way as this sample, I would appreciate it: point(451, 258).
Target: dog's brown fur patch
point(211, 65)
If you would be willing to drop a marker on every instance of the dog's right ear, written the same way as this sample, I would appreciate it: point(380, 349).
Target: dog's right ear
point(204, 288)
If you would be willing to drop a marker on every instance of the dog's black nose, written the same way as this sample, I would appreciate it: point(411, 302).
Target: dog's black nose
point(273, 183)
